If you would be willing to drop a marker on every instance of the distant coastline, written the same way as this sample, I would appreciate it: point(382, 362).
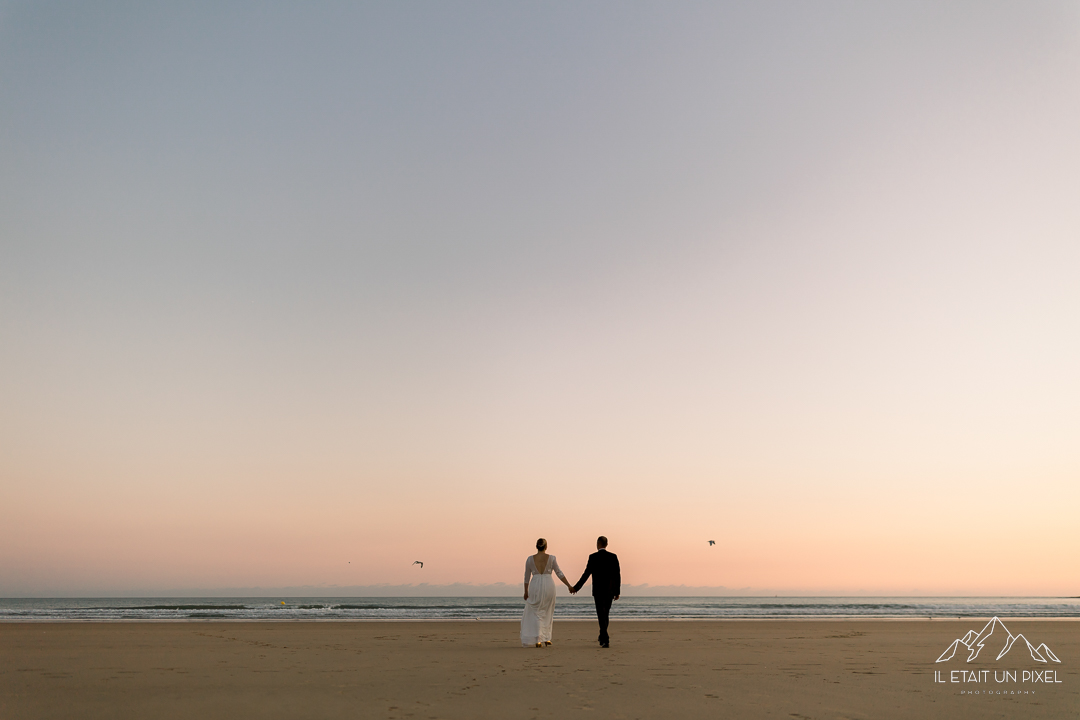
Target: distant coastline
point(493, 590)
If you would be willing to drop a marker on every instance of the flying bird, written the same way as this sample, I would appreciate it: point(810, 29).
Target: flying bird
point(417, 562)
point(711, 543)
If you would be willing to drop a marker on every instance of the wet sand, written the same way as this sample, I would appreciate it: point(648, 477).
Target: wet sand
point(714, 669)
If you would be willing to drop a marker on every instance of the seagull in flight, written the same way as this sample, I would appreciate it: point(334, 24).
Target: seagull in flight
point(711, 543)
point(417, 562)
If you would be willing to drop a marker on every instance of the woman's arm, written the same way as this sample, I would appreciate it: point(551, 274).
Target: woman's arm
point(558, 571)
point(528, 576)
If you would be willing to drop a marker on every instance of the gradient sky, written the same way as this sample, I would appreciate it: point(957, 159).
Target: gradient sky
point(295, 294)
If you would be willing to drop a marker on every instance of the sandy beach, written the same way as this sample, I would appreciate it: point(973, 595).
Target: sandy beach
point(739, 669)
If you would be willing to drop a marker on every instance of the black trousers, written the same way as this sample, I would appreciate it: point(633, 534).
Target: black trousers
point(603, 610)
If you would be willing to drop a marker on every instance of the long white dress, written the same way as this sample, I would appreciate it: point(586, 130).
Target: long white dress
point(540, 607)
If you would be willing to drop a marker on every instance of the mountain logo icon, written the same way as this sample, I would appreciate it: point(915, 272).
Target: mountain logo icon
point(994, 637)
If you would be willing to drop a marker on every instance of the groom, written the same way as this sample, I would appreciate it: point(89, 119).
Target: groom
point(606, 583)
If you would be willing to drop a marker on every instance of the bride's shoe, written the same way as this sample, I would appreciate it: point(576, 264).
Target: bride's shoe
point(539, 645)
point(547, 643)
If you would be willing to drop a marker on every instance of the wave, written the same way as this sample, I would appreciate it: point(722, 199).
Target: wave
point(183, 607)
point(509, 608)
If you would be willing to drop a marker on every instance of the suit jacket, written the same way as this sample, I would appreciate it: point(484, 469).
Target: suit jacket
point(606, 576)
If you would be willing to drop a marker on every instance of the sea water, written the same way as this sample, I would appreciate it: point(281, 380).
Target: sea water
point(510, 608)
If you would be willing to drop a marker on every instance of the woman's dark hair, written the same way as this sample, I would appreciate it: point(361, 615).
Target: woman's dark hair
point(541, 544)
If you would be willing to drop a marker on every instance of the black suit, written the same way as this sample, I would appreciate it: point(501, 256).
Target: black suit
point(606, 585)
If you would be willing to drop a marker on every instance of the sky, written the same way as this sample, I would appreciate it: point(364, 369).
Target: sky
point(292, 295)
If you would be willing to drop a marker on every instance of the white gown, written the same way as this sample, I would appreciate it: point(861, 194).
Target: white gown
point(540, 607)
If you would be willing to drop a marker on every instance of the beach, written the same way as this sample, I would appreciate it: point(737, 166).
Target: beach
point(685, 669)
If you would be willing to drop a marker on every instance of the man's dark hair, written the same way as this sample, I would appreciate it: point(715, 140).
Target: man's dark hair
point(601, 541)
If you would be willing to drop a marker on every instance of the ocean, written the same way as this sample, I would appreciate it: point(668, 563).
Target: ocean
point(509, 608)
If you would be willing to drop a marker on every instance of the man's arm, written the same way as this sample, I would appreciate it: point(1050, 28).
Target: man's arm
point(585, 575)
point(618, 579)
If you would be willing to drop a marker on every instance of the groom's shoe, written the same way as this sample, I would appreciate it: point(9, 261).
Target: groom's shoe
point(604, 645)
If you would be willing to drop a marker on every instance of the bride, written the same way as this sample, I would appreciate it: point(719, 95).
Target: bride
point(540, 597)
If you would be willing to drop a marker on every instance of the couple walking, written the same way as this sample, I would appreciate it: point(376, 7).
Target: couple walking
point(540, 591)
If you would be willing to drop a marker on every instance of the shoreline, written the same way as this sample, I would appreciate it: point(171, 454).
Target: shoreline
point(464, 620)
